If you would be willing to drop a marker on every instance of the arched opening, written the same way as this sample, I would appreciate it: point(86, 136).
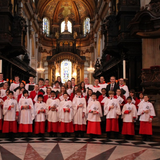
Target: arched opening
point(66, 70)
point(69, 25)
point(46, 27)
point(86, 25)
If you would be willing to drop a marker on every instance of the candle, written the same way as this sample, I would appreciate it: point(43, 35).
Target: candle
point(124, 69)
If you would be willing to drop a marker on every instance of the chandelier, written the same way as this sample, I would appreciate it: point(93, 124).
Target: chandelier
point(40, 69)
point(90, 69)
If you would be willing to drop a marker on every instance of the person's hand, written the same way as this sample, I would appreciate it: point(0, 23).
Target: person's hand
point(150, 120)
point(117, 116)
point(83, 115)
point(81, 105)
point(12, 106)
point(42, 110)
point(94, 112)
point(147, 111)
point(16, 117)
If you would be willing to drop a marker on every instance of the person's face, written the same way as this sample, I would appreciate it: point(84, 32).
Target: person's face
point(121, 82)
point(73, 81)
point(49, 91)
point(63, 89)
point(103, 92)
point(94, 97)
point(59, 79)
point(22, 90)
point(113, 80)
point(31, 79)
point(82, 85)
point(10, 95)
point(47, 83)
point(36, 87)
point(118, 92)
point(26, 95)
point(146, 98)
point(40, 99)
point(111, 95)
point(141, 96)
point(1, 76)
point(129, 100)
point(7, 93)
point(89, 92)
point(86, 81)
point(78, 93)
point(16, 79)
point(101, 79)
point(57, 85)
point(69, 84)
point(76, 88)
point(96, 82)
point(65, 96)
point(5, 85)
point(21, 85)
point(131, 94)
point(40, 83)
point(53, 95)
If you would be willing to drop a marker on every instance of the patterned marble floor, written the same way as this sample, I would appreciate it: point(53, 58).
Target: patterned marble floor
point(79, 149)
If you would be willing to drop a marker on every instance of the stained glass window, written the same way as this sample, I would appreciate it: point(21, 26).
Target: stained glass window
point(69, 24)
point(86, 26)
point(66, 70)
point(46, 28)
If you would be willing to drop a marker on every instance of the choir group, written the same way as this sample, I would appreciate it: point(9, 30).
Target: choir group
point(67, 108)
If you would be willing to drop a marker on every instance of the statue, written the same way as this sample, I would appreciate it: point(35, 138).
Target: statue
point(57, 35)
point(66, 22)
point(75, 35)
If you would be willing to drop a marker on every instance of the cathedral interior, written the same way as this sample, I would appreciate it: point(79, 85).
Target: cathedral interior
point(93, 38)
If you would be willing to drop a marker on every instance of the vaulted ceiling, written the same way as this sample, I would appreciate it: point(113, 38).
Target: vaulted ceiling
point(57, 10)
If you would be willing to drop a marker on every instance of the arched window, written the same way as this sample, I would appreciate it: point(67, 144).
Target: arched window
point(66, 70)
point(69, 25)
point(46, 28)
point(86, 26)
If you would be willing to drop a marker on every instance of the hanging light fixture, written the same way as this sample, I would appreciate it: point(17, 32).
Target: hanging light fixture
point(40, 69)
point(90, 69)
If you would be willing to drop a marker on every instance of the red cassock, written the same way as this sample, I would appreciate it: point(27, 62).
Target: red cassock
point(71, 96)
point(112, 125)
point(100, 98)
point(128, 128)
point(145, 128)
point(45, 98)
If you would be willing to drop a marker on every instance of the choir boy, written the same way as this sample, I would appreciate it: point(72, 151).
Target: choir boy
point(7, 96)
point(146, 112)
point(96, 88)
point(66, 116)
point(10, 112)
point(30, 86)
point(53, 114)
point(26, 114)
point(140, 100)
point(102, 99)
point(15, 84)
point(40, 116)
point(94, 117)
point(3, 90)
point(123, 86)
point(48, 95)
point(1, 79)
point(79, 119)
point(112, 111)
point(129, 115)
point(102, 83)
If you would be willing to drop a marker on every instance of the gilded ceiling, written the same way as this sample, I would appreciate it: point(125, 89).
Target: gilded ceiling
point(57, 10)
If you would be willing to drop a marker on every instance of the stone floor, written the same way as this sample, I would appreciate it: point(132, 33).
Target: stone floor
point(79, 149)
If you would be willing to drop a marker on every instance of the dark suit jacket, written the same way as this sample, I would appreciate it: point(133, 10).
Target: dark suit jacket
point(116, 86)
